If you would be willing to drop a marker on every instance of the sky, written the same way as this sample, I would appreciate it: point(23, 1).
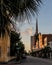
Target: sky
point(44, 23)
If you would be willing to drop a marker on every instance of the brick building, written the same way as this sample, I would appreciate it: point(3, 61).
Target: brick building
point(38, 40)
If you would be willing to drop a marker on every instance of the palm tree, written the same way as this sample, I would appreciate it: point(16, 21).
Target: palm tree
point(20, 9)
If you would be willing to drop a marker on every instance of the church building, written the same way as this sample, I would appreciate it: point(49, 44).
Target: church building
point(39, 41)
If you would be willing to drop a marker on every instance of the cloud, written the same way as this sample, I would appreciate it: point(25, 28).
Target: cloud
point(28, 31)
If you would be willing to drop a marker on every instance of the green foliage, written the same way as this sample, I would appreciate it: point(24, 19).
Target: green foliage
point(14, 38)
point(21, 47)
point(20, 50)
point(47, 49)
point(16, 44)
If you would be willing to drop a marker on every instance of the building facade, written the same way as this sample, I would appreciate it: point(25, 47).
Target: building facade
point(39, 41)
point(4, 48)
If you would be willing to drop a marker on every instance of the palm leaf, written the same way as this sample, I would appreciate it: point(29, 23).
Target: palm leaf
point(21, 8)
point(4, 23)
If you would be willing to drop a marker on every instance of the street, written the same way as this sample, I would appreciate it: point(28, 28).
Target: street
point(31, 61)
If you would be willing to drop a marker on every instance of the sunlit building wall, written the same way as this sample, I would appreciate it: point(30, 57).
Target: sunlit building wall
point(37, 45)
point(40, 41)
point(45, 41)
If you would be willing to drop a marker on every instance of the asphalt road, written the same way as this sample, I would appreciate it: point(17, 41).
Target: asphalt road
point(31, 61)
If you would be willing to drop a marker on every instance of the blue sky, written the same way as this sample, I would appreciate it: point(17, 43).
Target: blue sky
point(45, 17)
point(44, 23)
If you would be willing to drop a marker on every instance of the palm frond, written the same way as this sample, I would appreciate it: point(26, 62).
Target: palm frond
point(22, 7)
point(4, 23)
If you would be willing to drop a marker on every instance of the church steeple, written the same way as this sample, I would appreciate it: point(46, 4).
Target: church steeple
point(36, 26)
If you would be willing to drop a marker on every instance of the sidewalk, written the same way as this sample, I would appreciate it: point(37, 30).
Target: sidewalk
point(9, 60)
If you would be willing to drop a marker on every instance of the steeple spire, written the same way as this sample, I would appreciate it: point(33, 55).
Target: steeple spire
point(36, 26)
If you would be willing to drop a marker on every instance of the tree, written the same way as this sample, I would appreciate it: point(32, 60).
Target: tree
point(20, 48)
point(16, 45)
point(14, 38)
point(46, 52)
point(20, 9)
